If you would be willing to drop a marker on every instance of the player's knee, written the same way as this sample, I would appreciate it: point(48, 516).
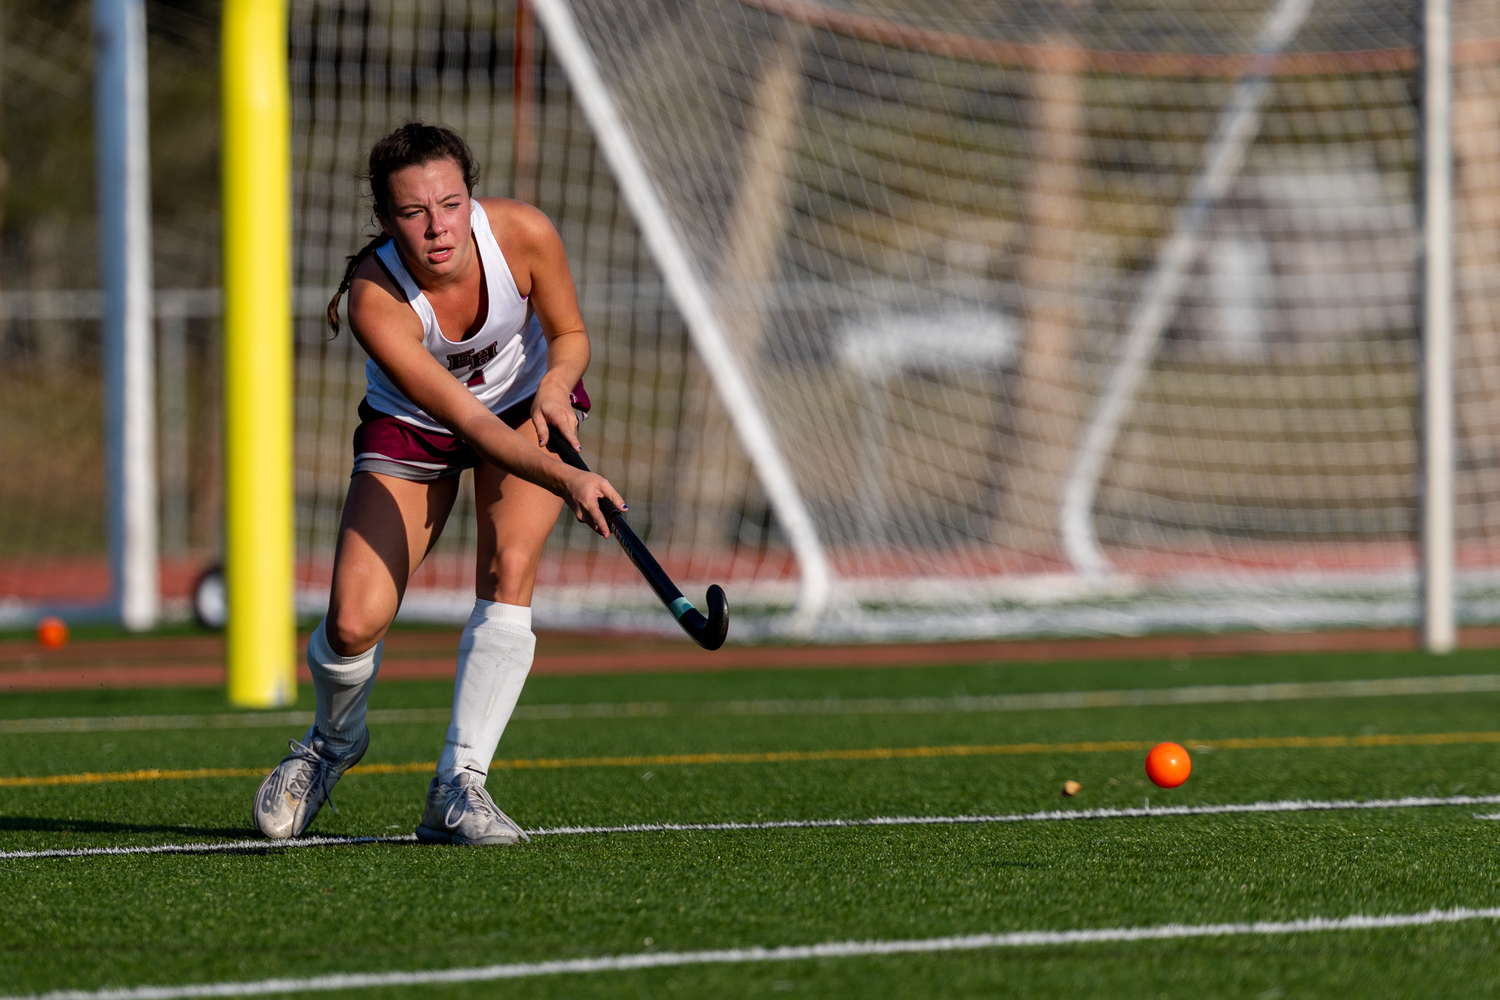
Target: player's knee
point(514, 570)
point(352, 630)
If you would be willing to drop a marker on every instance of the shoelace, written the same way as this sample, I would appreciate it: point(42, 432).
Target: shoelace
point(474, 798)
point(303, 778)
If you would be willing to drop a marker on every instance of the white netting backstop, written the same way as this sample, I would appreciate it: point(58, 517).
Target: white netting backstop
point(929, 236)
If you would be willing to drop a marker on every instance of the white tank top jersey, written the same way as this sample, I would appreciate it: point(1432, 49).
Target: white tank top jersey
point(501, 364)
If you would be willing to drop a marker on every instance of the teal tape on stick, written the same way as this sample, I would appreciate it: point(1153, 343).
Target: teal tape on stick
point(680, 607)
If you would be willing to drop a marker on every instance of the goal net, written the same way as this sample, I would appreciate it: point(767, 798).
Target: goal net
point(955, 319)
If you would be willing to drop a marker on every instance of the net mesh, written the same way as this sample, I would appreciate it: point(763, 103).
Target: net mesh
point(931, 236)
point(358, 70)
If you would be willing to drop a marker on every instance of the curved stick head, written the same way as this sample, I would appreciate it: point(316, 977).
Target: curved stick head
point(709, 632)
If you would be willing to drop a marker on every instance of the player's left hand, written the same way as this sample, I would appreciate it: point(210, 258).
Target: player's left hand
point(555, 407)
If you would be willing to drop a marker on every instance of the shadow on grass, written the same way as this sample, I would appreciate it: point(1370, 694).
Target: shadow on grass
point(43, 824)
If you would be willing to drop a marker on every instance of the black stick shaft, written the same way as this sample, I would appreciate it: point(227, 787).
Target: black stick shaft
point(689, 617)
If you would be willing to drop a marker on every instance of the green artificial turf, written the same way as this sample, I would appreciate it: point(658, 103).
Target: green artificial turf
point(95, 922)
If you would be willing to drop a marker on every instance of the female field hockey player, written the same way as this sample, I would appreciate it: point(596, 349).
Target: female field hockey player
point(467, 309)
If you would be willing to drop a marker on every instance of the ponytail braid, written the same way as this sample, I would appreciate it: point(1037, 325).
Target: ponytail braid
point(354, 260)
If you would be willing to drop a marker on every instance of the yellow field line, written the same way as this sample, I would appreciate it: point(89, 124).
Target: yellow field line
point(797, 756)
point(149, 774)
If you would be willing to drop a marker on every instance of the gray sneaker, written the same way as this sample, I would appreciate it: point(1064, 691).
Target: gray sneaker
point(462, 812)
point(290, 797)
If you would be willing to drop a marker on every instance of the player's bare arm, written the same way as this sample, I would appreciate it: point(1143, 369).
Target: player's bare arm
point(391, 334)
point(539, 265)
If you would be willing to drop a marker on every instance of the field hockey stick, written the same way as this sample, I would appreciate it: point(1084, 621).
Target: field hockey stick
point(707, 632)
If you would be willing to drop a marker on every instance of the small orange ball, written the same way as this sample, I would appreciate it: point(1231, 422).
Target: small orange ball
point(1168, 765)
point(52, 632)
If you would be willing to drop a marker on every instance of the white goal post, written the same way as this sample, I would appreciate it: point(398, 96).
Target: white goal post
point(124, 192)
point(1439, 610)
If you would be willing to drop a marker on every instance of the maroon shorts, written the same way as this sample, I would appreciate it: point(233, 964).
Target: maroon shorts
point(393, 447)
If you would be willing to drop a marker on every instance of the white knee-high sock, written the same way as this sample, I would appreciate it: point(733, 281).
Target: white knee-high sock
point(342, 684)
point(494, 657)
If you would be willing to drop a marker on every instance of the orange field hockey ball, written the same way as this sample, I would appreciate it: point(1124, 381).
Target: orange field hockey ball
point(52, 632)
point(1168, 765)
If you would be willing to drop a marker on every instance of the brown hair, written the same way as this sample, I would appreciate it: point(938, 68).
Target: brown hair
point(411, 145)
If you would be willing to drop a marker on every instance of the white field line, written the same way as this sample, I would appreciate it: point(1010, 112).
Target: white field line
point(787, 953)
point(1207, 694)
point(1045, 816)
point(216, 847)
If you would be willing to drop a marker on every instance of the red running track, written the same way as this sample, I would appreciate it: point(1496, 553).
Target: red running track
point(198, 661)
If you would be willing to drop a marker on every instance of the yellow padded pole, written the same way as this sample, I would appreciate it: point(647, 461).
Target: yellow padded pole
point(258, 557)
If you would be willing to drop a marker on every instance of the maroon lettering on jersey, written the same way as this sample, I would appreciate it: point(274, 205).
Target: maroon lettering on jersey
point(477, 379)
point(461, 360)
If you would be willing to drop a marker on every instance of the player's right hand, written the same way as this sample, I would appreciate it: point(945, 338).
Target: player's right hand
point(583, 492)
